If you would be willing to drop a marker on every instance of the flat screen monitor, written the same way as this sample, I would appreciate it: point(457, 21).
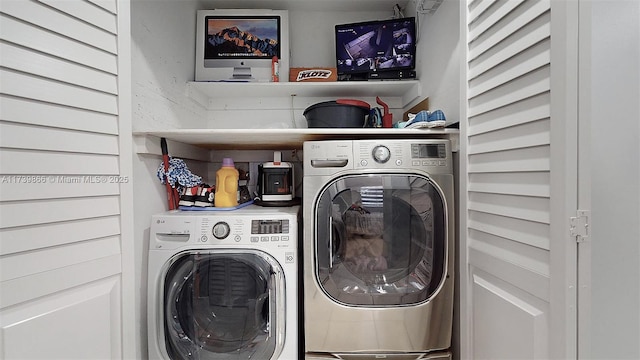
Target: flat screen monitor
point(373, 49)
point(239, 45)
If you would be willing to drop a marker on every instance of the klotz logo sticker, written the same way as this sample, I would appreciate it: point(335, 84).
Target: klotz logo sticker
point(313, 74)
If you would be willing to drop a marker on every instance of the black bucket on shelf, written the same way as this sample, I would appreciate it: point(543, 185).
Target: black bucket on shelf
point(341, 113)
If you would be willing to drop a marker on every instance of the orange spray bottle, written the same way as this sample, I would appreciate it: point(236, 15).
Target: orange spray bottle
point(275, 69)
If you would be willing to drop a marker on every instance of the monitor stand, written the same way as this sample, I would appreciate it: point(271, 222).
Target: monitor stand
point(242, 74)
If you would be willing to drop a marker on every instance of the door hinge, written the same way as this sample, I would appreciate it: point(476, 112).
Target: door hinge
point(579, 225)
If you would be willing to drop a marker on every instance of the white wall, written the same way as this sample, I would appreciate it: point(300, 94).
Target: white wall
point(438, 61)
point(312, 38)
point(163, 56)
point(615, 174)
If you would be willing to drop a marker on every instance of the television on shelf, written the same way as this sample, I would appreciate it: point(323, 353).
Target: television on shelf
point(382, 49)
point(239, 45)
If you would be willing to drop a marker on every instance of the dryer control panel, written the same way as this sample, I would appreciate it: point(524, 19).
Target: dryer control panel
point(326, 157)
point(430, 155)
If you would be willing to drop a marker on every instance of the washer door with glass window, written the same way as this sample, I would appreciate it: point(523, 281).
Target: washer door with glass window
point(223, 305)
point(381, 239)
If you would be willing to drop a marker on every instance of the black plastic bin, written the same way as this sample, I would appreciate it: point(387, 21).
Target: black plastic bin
point(341, 113)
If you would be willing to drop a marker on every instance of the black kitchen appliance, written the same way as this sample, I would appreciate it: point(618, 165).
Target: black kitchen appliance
point(275, 180)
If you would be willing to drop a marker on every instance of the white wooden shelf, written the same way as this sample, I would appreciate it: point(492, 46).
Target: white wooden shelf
point(335, 5)
point(195, 143)
point(207, 91)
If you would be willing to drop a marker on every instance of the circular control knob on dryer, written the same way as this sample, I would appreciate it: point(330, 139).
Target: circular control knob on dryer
point(381, 154)
point(221, 230)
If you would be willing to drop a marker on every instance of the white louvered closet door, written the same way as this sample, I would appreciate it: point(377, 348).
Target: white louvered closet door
point(519, 268)
point(62, 180)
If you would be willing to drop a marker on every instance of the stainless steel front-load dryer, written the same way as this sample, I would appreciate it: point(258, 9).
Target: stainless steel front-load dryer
point(378, 249)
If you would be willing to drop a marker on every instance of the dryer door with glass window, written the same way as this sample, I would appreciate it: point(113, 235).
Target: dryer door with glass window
point(381, 239)
point(224, 305)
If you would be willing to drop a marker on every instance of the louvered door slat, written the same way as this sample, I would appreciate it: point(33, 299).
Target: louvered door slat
point(61, 229)
point(508, 185)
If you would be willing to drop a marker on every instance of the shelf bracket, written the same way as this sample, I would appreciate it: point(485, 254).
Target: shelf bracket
point(150, 145)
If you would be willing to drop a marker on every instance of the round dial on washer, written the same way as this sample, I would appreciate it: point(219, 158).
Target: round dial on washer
point(221, 230)
point(381, 154)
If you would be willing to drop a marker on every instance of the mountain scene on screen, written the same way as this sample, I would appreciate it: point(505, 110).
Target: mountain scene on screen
point(232, 41)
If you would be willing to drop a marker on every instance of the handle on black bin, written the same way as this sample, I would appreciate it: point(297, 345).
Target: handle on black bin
point(387, 118)
point(357, 103)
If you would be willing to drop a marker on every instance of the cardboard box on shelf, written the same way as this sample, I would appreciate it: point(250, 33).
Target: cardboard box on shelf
point(422, 105)
point(312, 74)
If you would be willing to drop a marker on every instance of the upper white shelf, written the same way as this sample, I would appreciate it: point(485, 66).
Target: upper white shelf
point(408, 90)
point(334, 5)
point(265, 139)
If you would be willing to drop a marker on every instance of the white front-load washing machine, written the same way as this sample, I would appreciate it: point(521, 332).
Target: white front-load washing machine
point(378, 249)
point(223, 284)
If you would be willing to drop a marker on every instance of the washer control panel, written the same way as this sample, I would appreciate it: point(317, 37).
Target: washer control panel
point(261, 227)
point(244, 230)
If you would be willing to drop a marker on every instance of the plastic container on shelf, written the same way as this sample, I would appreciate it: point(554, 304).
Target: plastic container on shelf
point(341, 113)
point(226, 184)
